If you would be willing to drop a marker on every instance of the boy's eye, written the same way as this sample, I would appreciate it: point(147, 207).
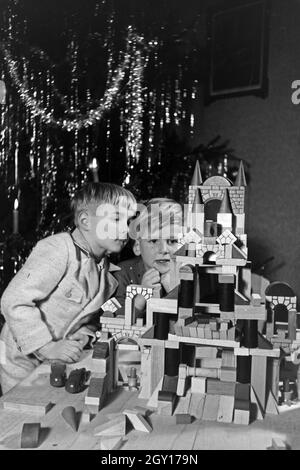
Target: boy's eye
point(172, 242)
point(153, 241)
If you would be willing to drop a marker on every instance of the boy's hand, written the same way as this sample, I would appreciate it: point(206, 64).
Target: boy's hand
point(82, 335)
point(166, 281)
point(64, 350)
point(151, 278)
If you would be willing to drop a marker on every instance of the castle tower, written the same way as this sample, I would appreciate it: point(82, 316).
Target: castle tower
point(197, 213)
point(240, 183)
point(224, 217)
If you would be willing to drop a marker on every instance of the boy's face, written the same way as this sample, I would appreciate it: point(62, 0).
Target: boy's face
point(156, 253)
point(109, 227)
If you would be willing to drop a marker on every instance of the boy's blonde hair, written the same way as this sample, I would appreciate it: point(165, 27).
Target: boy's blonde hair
point(101, 193)
point(156, 215)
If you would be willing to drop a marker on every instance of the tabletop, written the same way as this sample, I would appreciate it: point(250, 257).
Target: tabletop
point(166, 434)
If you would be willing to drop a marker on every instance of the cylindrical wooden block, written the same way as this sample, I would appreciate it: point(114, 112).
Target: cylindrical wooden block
point(244, 369)
point(172, 360)
point(226, 297)
point(186, 294)
point(161, 325)
point(196, 281)
point(30, 435)
point(250, 337)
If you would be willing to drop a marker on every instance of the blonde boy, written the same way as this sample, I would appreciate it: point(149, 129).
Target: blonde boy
point(155, 231)
point(51, 305)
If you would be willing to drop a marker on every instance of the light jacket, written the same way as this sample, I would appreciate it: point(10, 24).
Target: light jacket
point(58, 289)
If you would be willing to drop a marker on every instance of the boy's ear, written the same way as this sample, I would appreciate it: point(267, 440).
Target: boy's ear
point(136, 248)
point(84, 221)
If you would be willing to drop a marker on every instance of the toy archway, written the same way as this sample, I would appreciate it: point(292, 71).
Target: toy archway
point(127, 354)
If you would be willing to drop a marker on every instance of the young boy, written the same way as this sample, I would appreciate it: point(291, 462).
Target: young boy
point(156, 239)
point(52, 303)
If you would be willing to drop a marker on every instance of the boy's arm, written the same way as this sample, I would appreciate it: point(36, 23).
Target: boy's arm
point(123, 281)
point(35, 281)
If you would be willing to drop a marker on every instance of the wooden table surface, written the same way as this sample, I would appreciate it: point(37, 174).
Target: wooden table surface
point(166, 435)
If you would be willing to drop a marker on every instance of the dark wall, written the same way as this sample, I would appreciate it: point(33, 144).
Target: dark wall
point(266, 133)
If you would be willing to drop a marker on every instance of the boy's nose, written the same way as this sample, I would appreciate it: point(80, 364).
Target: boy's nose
point(163, 246)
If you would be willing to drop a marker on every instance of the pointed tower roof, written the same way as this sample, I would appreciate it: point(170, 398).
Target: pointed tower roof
point(197, 177)
point(240, 177)
point(198, 201)
point(225, 207)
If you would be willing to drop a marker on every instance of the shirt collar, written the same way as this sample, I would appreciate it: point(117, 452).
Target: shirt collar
point(80, 241)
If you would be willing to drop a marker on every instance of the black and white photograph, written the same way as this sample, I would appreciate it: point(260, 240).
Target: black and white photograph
point(149, 235)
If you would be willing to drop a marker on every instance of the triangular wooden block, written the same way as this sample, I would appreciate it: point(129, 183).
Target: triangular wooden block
point(255, 400)
point(111, 443)
point(183, 404)
point(138, 421)
point(272, 407)
point(116, 427)
point(262, 342)
point(152, 402)
point(70, 417)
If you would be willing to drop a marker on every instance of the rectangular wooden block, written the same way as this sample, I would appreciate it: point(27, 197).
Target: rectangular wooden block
point(206, 352)
point(186, 331)
point(242, 391)
point(33, 406)
point(139, 423)
point(259, 377)
point(228, 358)
point(207, 332)
point(100, 366)
point(198, 385)
point(228, 374)
point(223, 334)
point(196, 405)
point(241, 417)
point(225, 410)
point(211, 407)
point(200, 331)
point(183, 418)
point(226, 279)
point(181, 387)
point(218, 387)
point(231, 333)
point(170, 383)
point(211, 362)
point(165, 408)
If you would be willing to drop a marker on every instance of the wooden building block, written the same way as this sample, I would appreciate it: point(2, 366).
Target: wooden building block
point(100, 366)
point(225, 410)
point(218, 387)
point(258, 378)
point(181, 387)
point(30, 435)
point(231, 333)
point(228, 358)
point(115, 427)
point(223, 334)
point(278, 444)
point(183, 404)
point(196, 405)
point(111, 443)
point(211, 407)
point(271, 406)
point(165, 408)
point(183, 418)
point(97, 392)
point(207, 332)
point(226, 279)
point(198, 385)
point(170, 383)
point(166, 396)
point(211, 362)
point(228, 374)
point(256, 299)
point(100, 350)
point(152, 402)
point(241, 417)
point(70, 416)
point(242, 392)
point(215, 334)
point(186, 331)
point(213, 325)
point(157, 365)
point(27, 405)
point(139, 423)
point(200, 331)
point(206, 352)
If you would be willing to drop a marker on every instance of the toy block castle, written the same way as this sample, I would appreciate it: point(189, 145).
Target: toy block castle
point(212, 348)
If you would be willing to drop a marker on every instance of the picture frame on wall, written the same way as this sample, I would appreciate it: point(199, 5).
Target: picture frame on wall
point(238, 37)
